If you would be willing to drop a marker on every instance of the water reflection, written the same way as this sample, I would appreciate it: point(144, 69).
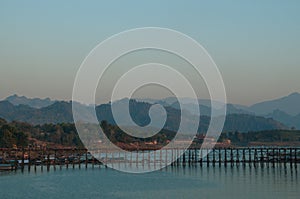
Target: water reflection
point(238, 181)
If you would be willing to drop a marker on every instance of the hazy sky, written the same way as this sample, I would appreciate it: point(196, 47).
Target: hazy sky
point(255, 44)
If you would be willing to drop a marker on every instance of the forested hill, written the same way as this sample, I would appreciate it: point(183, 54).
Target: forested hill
point(20, 134)
point(61, 112)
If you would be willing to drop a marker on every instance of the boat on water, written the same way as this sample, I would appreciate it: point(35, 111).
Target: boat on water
point(8, 165)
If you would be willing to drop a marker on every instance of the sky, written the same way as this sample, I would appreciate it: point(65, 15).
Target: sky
point(255, 44)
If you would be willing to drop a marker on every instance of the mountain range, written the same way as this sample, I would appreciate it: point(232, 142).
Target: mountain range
point(32, 102)
point(285, 109)
point(289, 104)
point(239, 118)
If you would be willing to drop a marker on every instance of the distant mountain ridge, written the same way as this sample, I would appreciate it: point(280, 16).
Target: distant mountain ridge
point(204, 106)
point(32, 102)
point(285, 109)
point(61, 112)
point(291, 121)
point(55, 113)
point(289, 104)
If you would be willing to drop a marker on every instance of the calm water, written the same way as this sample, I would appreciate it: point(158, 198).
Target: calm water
point(235, 182)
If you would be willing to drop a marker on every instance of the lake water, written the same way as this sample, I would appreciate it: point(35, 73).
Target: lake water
point(173, 182)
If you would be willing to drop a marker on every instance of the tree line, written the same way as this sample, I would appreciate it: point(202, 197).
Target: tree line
point(21, 134)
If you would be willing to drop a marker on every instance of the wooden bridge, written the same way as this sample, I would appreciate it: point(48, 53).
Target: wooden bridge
point(33, 158)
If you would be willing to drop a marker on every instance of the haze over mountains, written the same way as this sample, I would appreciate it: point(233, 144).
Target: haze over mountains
point(285, 109)
point(289, 104)
point(268, 115)
point(32, 102)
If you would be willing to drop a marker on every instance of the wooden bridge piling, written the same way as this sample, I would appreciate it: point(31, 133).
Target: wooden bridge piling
point(196, 157)
point(244, 157)
point(214, 158)
point(31, 158)
point(23, 154)
point(201, 157)
point(220, 157)
point(207, 157)
point(295, 158)
point(183, 159)
point(237, 161)
point(225, 157)
point(231, 157)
